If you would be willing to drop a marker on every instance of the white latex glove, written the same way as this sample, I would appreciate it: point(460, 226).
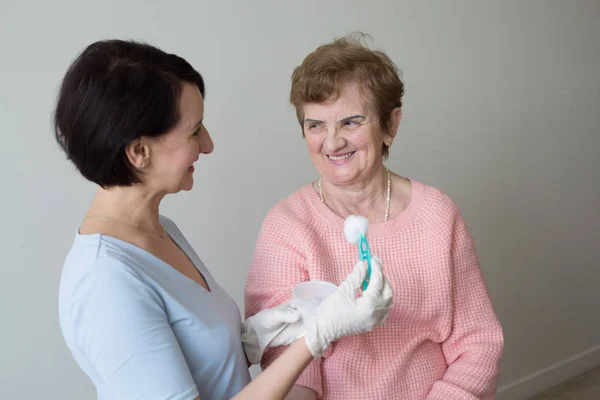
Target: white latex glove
point(271, 327)
point(343, 314)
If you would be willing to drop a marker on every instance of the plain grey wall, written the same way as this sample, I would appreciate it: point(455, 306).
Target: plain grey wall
point(502, 111)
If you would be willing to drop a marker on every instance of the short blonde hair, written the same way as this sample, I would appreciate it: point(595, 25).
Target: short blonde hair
point(326, 70)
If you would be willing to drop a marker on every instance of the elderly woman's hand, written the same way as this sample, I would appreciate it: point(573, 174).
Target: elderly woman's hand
point(343, 314)
point(276, 326)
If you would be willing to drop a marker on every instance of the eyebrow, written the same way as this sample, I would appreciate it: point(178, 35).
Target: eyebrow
point(352, 117)
point(316, 121)
point(312, 121)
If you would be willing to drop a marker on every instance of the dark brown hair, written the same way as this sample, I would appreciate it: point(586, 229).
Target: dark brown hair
point(114, 92)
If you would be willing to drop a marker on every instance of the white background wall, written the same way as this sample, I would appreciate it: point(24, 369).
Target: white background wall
point(502, 111)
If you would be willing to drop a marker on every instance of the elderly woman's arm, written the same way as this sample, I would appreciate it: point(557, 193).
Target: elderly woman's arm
point(277, 266)
point(301, 393)
point(474, 347)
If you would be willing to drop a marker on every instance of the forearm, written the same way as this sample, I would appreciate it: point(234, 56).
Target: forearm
point(473, 375)
point(275, 382)
point(301, 393)
point(473, 370)
point(309, 381)
point(447, 390)
point(474, 348)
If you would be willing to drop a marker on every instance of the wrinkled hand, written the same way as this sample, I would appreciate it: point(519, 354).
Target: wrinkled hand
point(343, 314)
point(271, 327)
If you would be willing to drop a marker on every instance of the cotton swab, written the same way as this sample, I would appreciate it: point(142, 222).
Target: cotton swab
point(355, 230)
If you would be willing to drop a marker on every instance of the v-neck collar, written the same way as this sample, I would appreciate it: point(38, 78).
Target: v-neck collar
point(192, 257)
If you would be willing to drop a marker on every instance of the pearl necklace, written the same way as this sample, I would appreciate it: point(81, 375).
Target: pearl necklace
point(387, 200)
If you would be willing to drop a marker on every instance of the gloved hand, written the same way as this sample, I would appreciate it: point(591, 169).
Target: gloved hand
point(271, 327)
point(343, 314)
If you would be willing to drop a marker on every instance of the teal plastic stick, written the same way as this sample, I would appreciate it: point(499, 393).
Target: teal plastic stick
point(365, 255)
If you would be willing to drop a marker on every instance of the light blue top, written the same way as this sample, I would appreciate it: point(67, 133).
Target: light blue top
point(141, 330)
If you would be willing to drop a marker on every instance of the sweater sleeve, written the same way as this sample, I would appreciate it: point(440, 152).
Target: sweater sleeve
point(474, 347)
point(278, 264)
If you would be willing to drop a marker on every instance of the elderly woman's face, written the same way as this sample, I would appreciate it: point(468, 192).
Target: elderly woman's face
point(344, 137)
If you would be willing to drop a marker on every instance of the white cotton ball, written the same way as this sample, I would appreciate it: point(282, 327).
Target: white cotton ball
point(354, 227)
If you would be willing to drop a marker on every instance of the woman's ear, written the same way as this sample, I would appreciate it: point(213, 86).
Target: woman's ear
point(138, 153)
point(394, 123)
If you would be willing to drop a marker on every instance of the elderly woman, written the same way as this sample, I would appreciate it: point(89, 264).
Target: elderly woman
point(140, 312)
point(442, 339)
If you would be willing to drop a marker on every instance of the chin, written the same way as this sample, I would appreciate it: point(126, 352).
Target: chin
point(187, 187)
point(187, 184)
point(341, 179)
point(184, 187)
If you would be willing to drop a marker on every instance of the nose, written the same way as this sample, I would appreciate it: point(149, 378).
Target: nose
point(206, 145)
point(333, 140)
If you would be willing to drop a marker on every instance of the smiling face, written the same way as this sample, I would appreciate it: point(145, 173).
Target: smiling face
point(344, 138)
point(173, 154)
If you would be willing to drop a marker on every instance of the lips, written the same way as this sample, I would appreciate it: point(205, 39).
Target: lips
point(191, 167)
point(340, 156)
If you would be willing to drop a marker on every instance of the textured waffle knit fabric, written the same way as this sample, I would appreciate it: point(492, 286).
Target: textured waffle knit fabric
point(442, 339)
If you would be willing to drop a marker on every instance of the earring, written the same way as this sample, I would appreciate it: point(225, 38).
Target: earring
point(143, 164)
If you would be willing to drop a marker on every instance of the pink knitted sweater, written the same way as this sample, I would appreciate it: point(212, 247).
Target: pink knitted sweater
point(442, 339)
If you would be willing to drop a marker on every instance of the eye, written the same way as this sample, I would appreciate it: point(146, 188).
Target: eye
point(314, 127)
point(351, 124)
point(197, 131)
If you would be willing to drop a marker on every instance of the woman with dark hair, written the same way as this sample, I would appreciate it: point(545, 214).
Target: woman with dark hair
point(138, 309)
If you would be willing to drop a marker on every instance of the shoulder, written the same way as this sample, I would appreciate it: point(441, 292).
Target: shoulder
point(100, 267)
point(109, 276)
point(294, 211)
point(438, 212)
point(97, 258)
point(436, 205)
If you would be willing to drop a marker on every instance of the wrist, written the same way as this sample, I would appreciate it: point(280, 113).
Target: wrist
point(316, 337)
